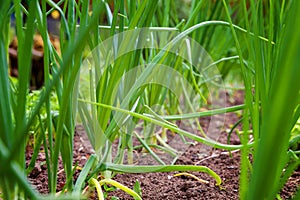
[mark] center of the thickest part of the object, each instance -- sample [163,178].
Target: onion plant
[272,95]
[15,122]
[149,67]
[115,75]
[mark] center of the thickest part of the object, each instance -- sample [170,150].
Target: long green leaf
[271,155]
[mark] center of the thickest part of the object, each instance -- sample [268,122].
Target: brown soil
[166,185]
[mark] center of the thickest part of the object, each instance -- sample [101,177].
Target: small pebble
[80,149]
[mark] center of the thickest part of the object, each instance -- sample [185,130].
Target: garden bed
[166,185]
[132,72]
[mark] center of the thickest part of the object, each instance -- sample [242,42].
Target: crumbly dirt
[166,185]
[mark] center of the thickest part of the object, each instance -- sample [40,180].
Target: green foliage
[137,188]
[271,95]
[253,43]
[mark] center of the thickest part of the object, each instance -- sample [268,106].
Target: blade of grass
[145,145]
[172,128]
[203,113]
[248,88]
[157,168]
[122,187]
[23,85]
[83,174]
[6,123]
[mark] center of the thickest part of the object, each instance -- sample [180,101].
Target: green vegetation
[151,64]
